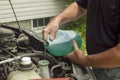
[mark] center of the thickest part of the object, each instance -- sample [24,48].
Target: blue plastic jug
[62,44]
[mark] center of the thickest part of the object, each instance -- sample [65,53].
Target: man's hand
[50,30]
[76,56]
[73,12]
[106,59]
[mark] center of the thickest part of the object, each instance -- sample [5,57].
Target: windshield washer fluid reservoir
[62,44]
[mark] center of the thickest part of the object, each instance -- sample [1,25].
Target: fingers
[54,30]
[75,45]
[50,30]
[76,50]
[45,33]
[52,36]
[50,33]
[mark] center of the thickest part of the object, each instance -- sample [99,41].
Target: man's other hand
[77,55]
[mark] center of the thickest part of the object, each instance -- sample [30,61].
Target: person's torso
[103,25]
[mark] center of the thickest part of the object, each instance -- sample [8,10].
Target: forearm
[106,59]
[71,13]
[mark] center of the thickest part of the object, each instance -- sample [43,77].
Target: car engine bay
[16,44]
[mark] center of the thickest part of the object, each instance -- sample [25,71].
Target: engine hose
[62,74]
[5,70]
[52,69]
[48,56]
[29,55]
[7,51]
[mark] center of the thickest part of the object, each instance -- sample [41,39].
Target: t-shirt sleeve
[82,3]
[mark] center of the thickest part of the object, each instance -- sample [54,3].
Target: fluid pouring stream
[45,49]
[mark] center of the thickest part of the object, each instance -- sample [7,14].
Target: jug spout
[46,44]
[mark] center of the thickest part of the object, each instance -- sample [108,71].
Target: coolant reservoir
[44,69]
[62,44]
[25,71]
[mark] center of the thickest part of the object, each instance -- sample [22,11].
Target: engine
[15,45]
[7,39]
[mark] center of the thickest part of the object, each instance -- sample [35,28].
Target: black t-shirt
[103,24]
